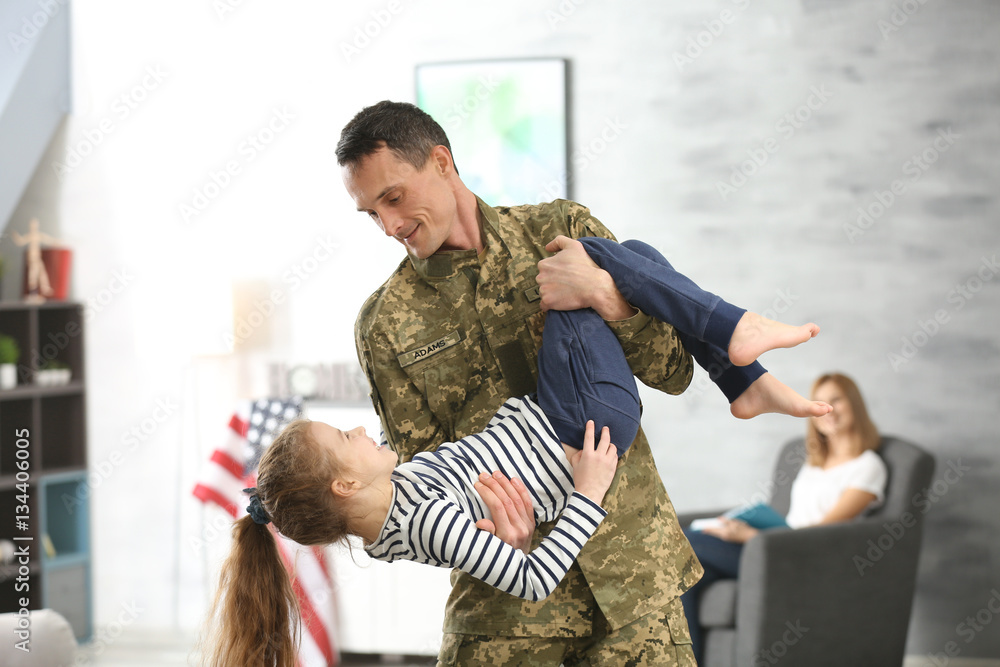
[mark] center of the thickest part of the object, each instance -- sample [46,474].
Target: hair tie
[255,509]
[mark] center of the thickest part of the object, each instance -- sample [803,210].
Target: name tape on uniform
[424,351]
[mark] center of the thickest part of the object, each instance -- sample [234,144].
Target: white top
[435,505]
[815,491]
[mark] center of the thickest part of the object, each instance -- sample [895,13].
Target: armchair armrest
[826,586]
[686,518]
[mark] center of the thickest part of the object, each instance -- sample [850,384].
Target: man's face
[416,207]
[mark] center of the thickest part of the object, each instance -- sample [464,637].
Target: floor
[163,649]
[146,648]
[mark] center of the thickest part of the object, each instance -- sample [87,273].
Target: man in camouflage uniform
[454,332]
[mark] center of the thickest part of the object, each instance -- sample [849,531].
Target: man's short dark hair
[406,130]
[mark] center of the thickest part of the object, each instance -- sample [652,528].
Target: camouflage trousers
[659,639]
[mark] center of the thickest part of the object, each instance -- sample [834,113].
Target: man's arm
[509,503]
[570,280]
[653,348]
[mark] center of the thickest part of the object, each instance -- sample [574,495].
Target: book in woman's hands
[760,516]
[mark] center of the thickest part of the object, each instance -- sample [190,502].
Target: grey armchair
[826,595]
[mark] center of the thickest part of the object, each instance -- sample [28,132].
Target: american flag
[231,468]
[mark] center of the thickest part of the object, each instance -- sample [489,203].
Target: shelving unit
[59,508]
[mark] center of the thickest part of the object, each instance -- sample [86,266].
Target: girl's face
[360,456]
[841,419]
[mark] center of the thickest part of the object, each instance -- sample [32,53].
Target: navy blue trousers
[582,371]
[721,560]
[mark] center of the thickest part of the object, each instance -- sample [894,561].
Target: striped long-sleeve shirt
[435,505]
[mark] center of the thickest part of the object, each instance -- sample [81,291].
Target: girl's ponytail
[255,618]
[255,614]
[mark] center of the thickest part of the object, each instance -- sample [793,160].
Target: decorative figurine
[38,278]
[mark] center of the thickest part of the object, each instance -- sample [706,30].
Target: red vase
[58,262]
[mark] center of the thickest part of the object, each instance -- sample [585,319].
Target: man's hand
[510,506]
[732,530]
[570,280]
[594,466]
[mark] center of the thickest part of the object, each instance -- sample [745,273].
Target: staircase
[34,89]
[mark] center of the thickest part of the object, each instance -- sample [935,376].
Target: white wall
[208,81]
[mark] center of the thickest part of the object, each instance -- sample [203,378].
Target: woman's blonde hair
[817,446]
[255,616]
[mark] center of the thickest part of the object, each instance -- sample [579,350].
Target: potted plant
[63,373]
[52,373]
[9,355]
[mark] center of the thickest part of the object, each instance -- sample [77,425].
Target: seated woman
[842,478]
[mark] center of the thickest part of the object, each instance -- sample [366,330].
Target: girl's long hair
[817,444]
[255,617]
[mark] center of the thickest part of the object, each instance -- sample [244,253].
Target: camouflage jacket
[447,339]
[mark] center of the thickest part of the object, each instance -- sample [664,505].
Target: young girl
[319,484]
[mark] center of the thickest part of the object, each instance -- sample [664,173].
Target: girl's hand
[594,466]
[732,530]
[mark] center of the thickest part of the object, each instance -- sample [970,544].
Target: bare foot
[755,334]
[769,394]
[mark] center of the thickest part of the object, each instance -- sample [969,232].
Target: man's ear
[441,160]
[344,488]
